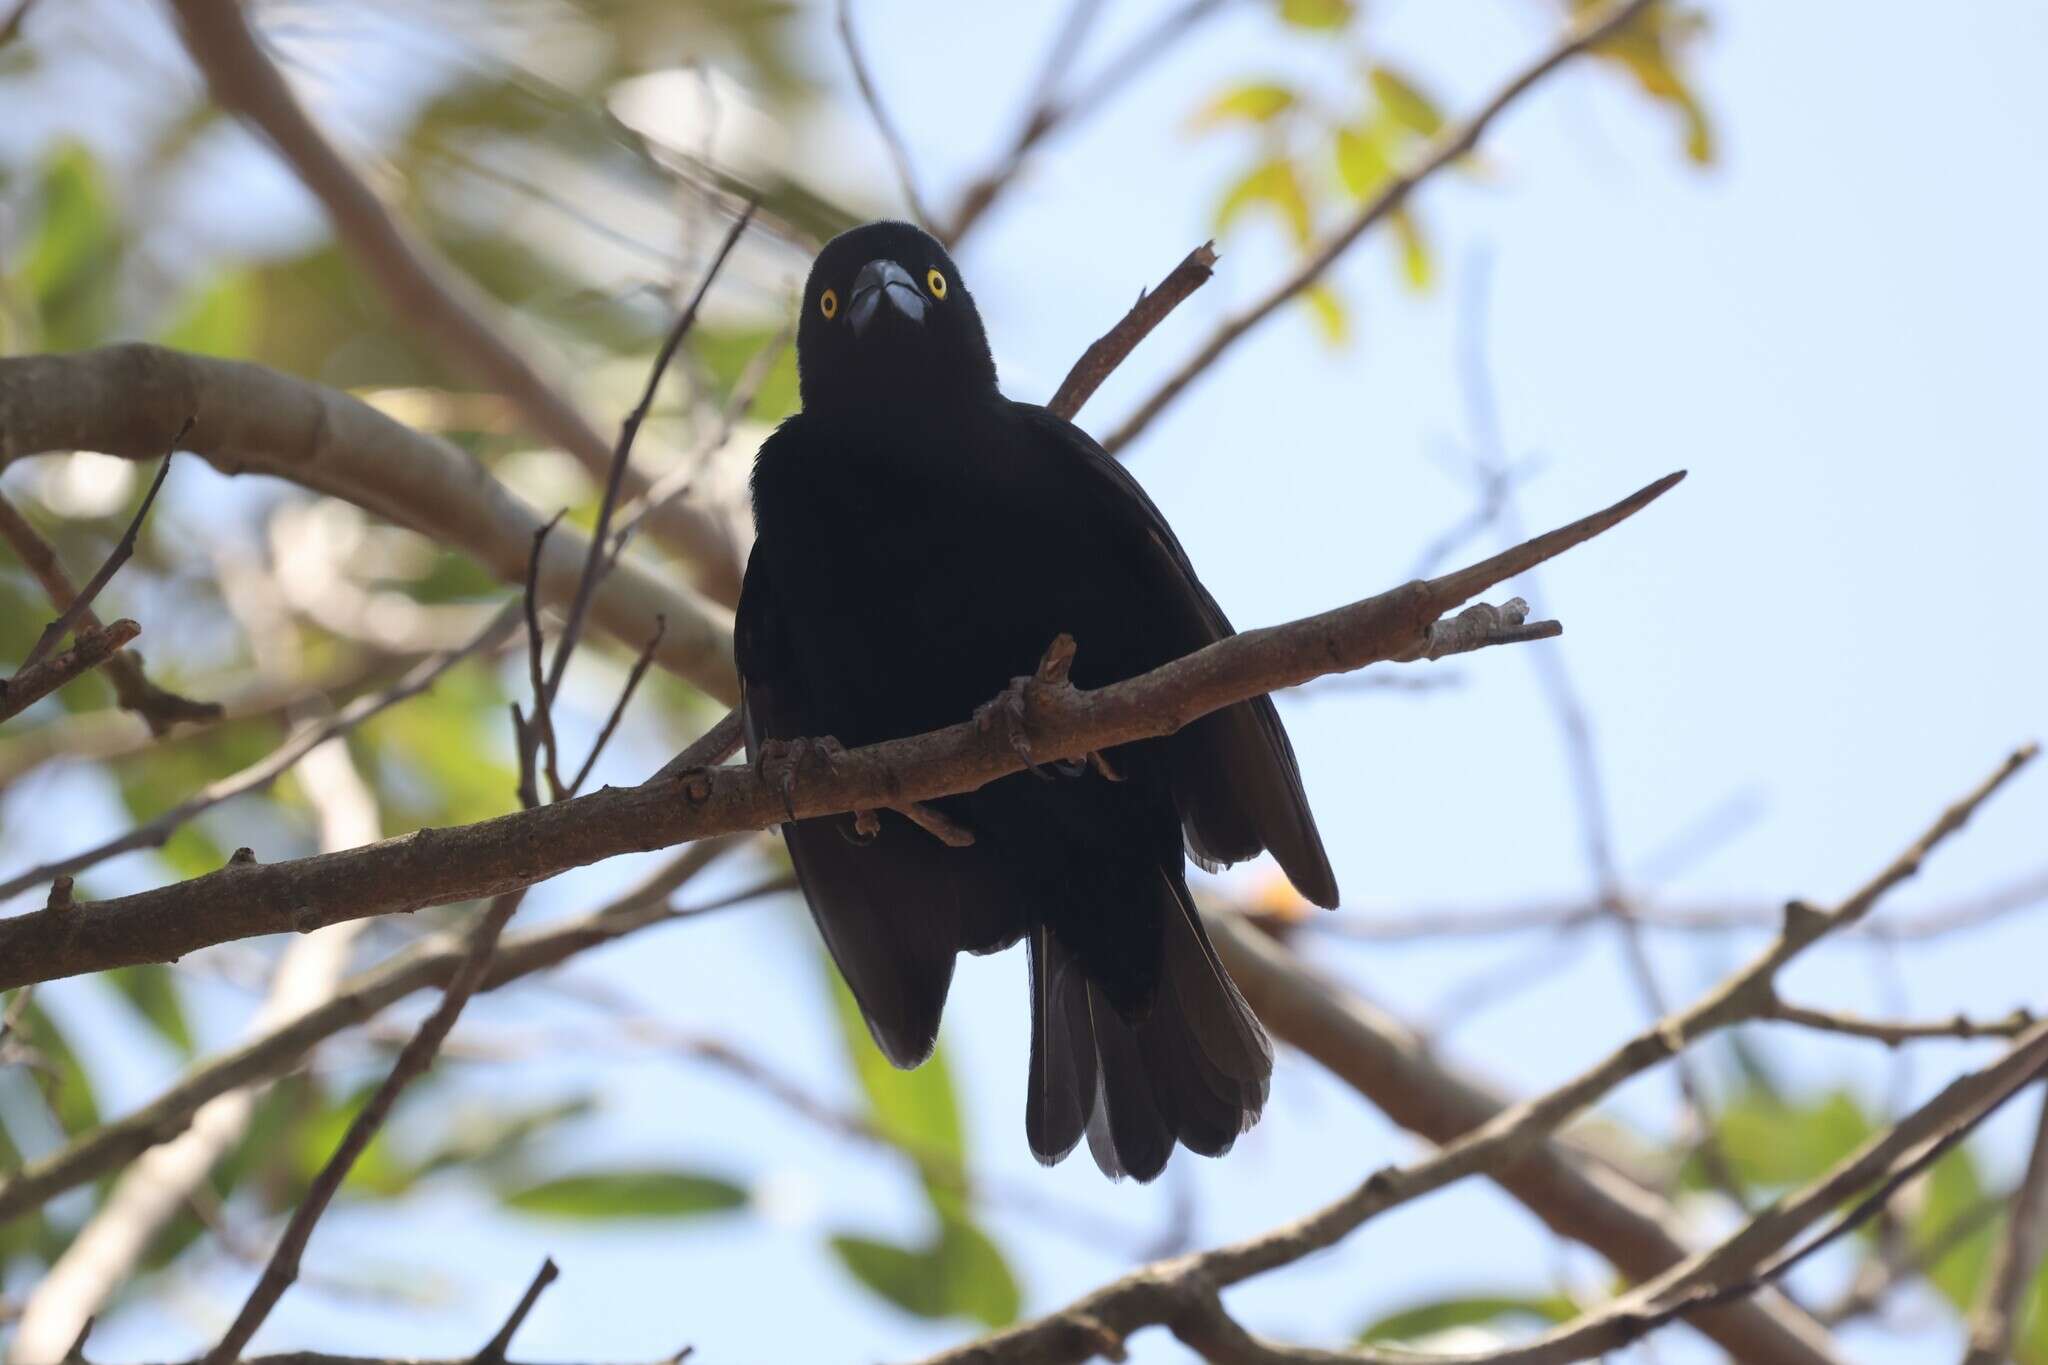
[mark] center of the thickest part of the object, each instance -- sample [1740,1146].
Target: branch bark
[1108,351]
[2014,1263]
[423,289]
[95,646]
[121,399]
[435,867]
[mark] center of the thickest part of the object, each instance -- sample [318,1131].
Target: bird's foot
[780,760]
[1011,708]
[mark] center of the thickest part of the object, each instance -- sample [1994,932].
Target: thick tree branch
[423,289]
[121,399]
[1447,147]
[435,867]
[96,645]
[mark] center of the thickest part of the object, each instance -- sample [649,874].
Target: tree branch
[435,867]
[273,765]
[2015,1261]
[121,399]
[1108,351]
[424,290]
[354,1001]
[1452,143]
[96,645]
[1167,1292]
[899,155]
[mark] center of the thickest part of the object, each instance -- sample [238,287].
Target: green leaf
[1416,266]
[962,1274]
[152,989]
[1647,49]
[917,1110]
[1362,158]
[1253,102]
[66,1089]
[1323,15]
[727,353]
[1485,1310]
[1955,1190]
[2030,1343]
[1274,182]
[377,1174]
[219,319]
[1332,319]
[1404,101]
[71,266]
[1776,1143]
[610,1195]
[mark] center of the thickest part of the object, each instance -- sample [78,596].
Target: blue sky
[1833,622]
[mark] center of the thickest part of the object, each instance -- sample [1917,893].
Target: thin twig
[1897,1031]
[95,646]
[899,155]
[579,605]
[619,708]
[76,609]
[1108,351]
[494,1350]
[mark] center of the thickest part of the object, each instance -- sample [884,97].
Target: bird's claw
[779,761]
[1010,709]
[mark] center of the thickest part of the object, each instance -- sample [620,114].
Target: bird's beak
[880,283]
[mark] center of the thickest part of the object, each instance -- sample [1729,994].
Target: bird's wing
[894,911]
[1234,773]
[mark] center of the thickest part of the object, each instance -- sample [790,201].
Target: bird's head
[888,326]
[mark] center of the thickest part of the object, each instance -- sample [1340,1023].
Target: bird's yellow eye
[935,282]
[828,304]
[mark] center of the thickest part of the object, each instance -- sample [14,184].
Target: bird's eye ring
[828,304]
[935,282]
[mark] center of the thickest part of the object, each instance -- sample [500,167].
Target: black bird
[921,539]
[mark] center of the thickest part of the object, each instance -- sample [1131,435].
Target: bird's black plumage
[920,541]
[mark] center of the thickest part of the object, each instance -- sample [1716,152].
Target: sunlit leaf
[1317,14]
[1482,1310]
[1253,102]
[1363,162]
[1404,101]
[608,1195]
[152,989]
[1334,322]
[1647,49]
[1416,266]
[1274,182]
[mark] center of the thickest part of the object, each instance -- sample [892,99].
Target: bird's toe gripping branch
[780,760]
[1010,709]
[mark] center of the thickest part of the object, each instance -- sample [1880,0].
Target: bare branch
[1893,1032]
[273,765]
[494,1350]
[1167,1292]
[899,155]
[1049,112]
[434,867]
[1108,351]
[81,604]
[2018,1255]
[159,709]
[1452,143]
[121,399]
[611,723]
[424,289]
[96,645]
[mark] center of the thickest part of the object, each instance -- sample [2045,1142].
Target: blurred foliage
[1413,1326]
[1324,146]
